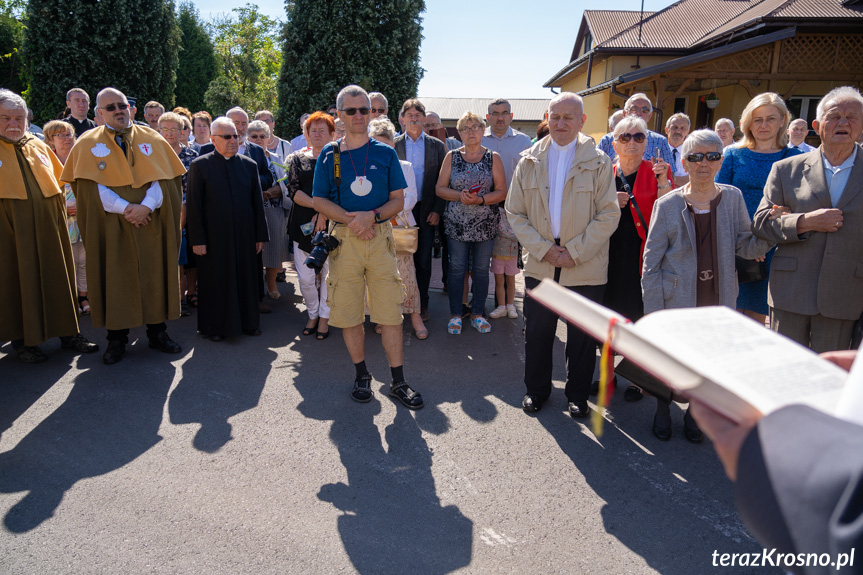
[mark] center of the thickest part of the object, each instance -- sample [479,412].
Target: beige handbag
[406,237]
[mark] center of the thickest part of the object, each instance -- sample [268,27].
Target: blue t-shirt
[382,169]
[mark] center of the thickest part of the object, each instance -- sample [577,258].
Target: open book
[713,354]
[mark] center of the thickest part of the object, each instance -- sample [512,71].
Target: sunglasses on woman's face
[711,157]
[625,138]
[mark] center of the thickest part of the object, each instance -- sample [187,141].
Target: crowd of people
[139,223]
[236,201]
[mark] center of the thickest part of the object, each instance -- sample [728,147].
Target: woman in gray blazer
[695,232]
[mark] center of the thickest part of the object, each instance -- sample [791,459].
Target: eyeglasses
[257,137]
[227,136]
[376,111]
[625,138]
[64,136]
[642,109]
[171,131]
[353,111]
[711,157]
[499,114]
[112,107]
[471,129]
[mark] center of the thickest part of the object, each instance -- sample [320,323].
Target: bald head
[113,107]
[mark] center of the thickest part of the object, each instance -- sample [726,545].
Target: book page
[851,403]
[713,354]
[768,370]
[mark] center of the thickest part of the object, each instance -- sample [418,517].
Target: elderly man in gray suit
[426,154]
[816,278]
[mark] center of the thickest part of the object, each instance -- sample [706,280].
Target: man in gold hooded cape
[127,183]
[37,280]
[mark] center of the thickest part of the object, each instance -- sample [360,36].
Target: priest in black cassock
[226,227]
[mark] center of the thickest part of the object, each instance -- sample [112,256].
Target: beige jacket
[589,212]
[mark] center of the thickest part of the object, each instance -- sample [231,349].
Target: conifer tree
[197,59]
[329,44]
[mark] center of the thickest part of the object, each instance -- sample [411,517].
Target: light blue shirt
[803,147]
[415,153]
[509,147]
[837,177]
[654,141]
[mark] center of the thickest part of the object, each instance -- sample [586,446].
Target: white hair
[614,119]
[678,116]
[630,122]
[259,126]
[222,121]
[842,93]
[567,97]
[11,100]
[373,95]
[382,127]
[237,110]
[638,96]
[724,121]
[704,138]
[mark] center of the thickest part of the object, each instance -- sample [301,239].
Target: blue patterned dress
[748,170]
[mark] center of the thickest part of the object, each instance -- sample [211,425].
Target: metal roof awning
[691,60]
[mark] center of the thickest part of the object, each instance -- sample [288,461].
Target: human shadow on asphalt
[392,518]
[111,416]
[223,379]
[23,384]
[674,523]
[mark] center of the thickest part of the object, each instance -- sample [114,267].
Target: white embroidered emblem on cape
[147,149]
[100,150]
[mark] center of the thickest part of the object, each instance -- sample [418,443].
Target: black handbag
[750,270]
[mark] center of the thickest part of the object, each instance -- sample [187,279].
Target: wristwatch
[377,216]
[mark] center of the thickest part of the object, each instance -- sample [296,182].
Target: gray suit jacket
[817,272]
[435,152]
[799,484]
[671,258]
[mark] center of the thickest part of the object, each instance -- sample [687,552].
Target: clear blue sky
[485,49]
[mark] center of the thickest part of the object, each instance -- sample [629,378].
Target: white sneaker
[498,312]
[511,312]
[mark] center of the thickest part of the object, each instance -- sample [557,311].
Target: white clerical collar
[558,148]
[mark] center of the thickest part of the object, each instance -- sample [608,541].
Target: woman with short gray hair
[276,208]
[689,260]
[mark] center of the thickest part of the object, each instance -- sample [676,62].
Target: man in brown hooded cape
[127,182]
[37,278]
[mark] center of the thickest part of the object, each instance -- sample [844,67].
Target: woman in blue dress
[746,166]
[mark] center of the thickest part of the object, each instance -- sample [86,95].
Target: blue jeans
[458,256]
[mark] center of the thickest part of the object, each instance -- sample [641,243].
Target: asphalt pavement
[249,456]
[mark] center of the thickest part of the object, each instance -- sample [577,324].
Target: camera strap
[337,174]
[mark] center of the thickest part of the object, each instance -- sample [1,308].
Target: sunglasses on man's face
[626,138]
[227,136]
[353,111]
[378,110]
[711,157]
[112,107]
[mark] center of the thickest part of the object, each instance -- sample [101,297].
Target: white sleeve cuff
[111,202]
[153,199]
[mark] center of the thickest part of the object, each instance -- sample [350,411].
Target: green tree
[246,43]
[11,41]
[128,44]
[197,66]
[329,44]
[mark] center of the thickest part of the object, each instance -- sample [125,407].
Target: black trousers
[153,329]
[540,327]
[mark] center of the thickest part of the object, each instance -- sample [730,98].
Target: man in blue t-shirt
[370,192]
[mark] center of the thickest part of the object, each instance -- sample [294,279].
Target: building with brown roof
[708,58]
